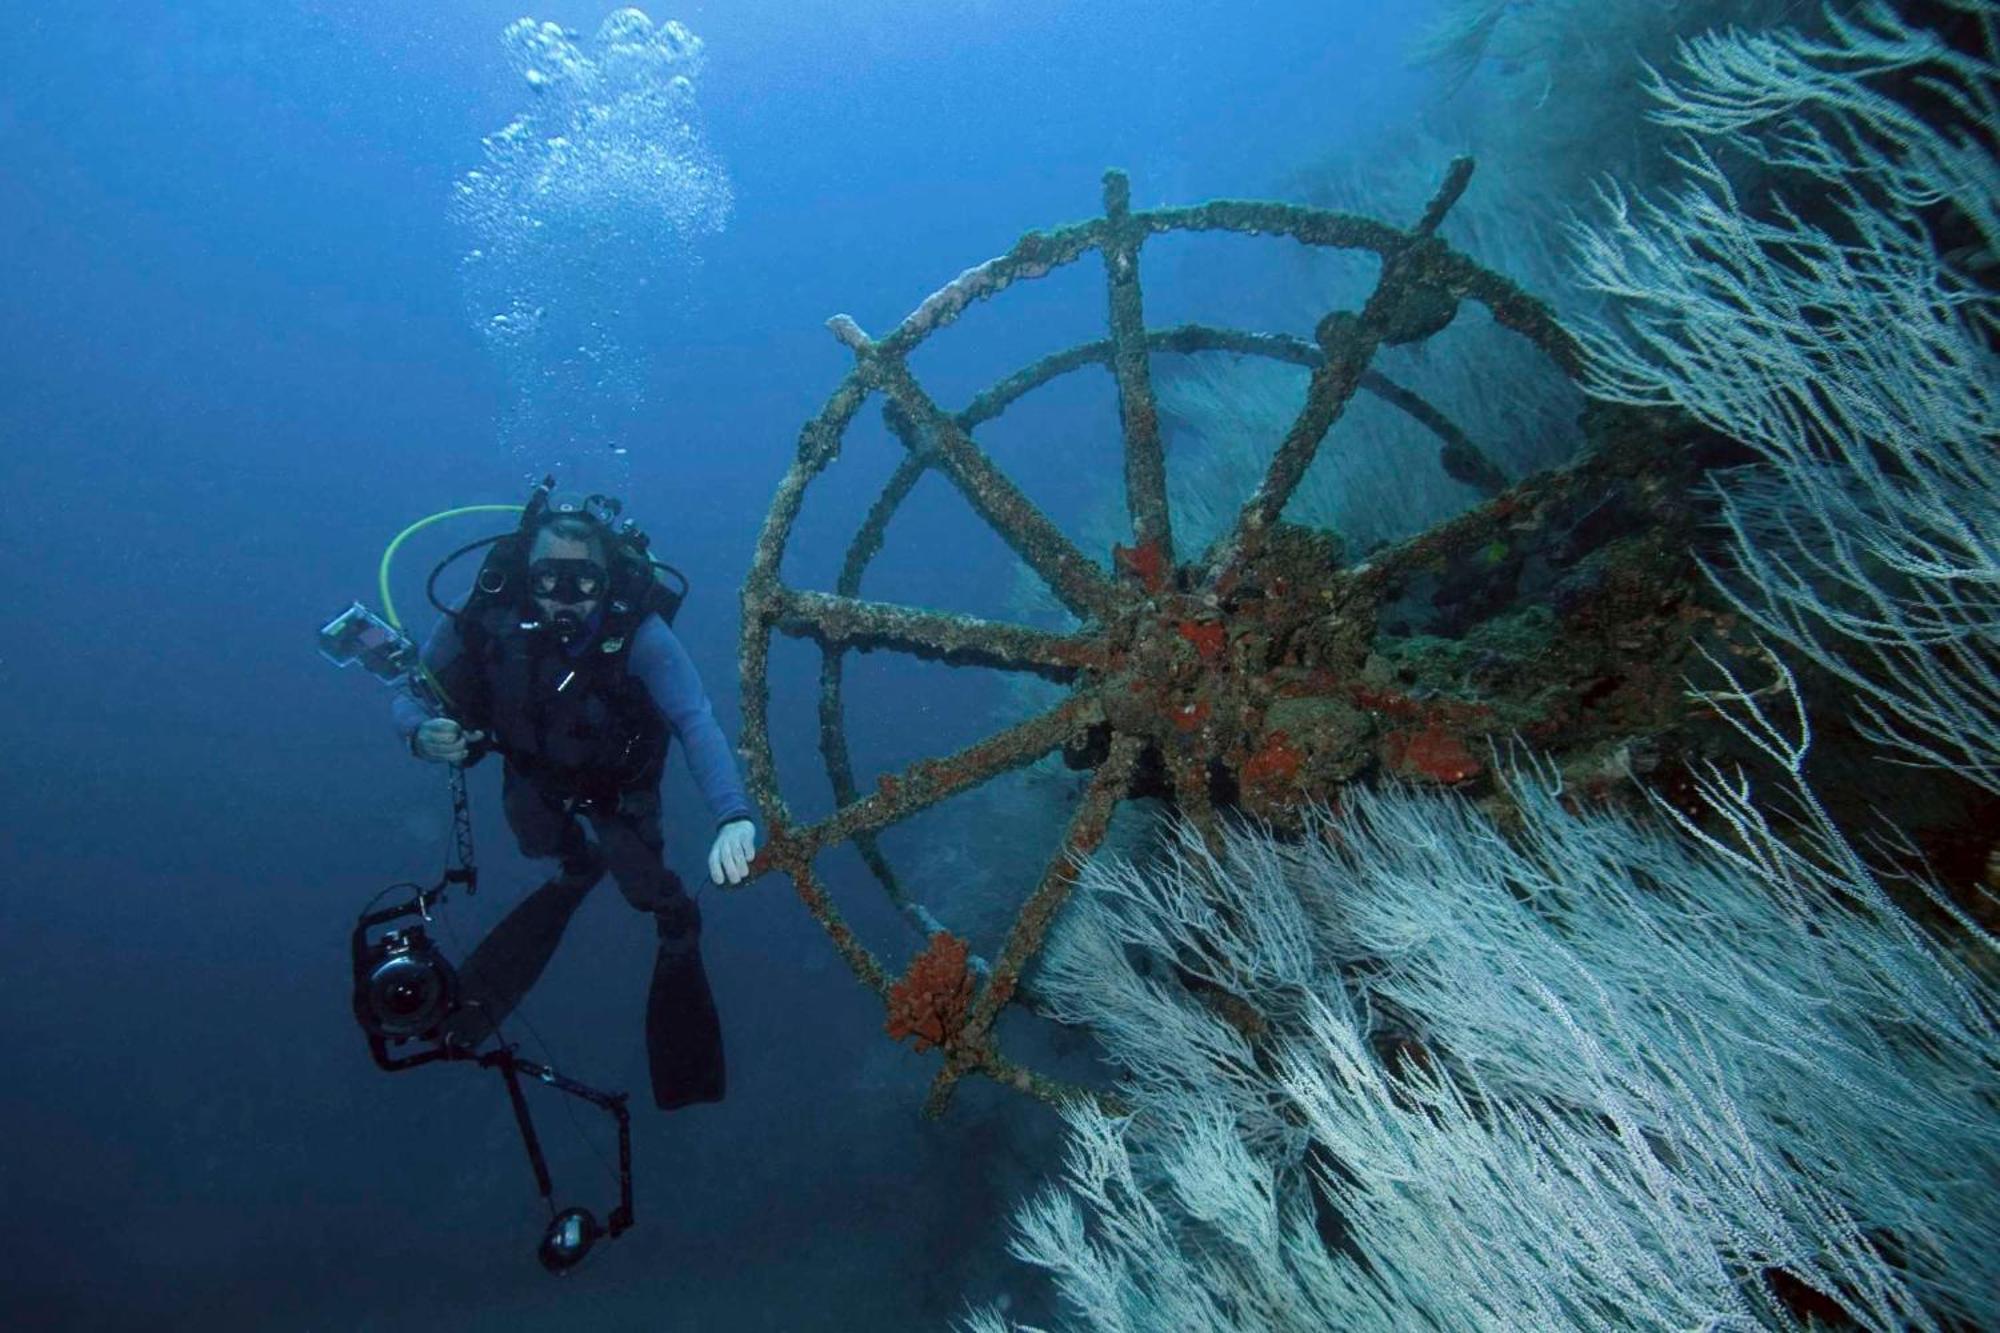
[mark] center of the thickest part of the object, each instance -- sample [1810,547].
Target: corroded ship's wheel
[1239,678]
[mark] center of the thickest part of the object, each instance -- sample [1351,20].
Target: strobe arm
[511,1067]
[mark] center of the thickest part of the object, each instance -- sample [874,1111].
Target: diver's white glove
[443,741]
[735,844]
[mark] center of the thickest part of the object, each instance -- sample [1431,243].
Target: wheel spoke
[1196,804]
[1076,580]
[814,895]
[1346,347]
[1456,177]
[1086,830]
[1348,343]
[839,623]
[1087,827]
[898,796]
[1145,467]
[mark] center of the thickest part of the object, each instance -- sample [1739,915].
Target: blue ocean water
[239,350]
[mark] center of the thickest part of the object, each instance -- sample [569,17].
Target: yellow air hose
[389,556]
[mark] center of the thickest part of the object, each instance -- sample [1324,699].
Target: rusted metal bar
[925,783]
[1145,467]
[866,966]
[839,623]
[1076,580]
[1346,344]
[840,772]
[959,1061]
[1386,569]
[867,542]
[819,445]
[1462,459]
[1053,1092]
[1456,177]
[997,399]
[833,744]
[1085,833]
[1196,804]
[868,538]
[1086,830]
[760,768]
[1035,255]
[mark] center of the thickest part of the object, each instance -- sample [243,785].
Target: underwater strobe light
[570,1235]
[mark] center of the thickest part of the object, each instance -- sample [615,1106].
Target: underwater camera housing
[404,989]
[406,992]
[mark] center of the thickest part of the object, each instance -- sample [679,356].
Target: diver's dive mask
[568,582]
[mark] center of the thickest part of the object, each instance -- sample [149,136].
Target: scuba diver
[562,660]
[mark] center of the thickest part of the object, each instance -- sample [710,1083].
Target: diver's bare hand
[443,741]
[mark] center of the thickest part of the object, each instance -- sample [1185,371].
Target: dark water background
[234,360]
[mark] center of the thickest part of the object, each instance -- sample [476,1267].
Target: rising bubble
[582,228]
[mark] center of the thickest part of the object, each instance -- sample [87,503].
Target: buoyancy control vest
[572,716]
[578,721]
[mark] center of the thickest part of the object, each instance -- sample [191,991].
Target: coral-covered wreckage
[1566,609]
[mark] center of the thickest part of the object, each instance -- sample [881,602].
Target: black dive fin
[512,956]
[683,1037]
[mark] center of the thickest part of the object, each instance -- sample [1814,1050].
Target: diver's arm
[661,662]
[441,654]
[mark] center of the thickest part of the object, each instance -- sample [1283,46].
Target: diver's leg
[514,953]
[683,1035]
[541,824]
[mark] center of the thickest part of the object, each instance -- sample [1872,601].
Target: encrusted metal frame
[1153,656]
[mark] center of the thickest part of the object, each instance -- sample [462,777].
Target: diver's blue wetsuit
[683,1036]
[662,664]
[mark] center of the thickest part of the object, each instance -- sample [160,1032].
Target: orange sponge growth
[1433,753]
[1145,562]
[929,1003]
